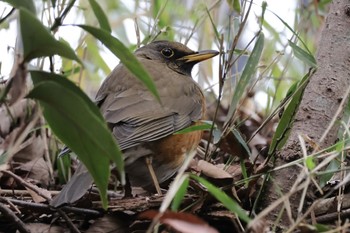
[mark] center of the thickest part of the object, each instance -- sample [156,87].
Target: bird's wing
[133,113]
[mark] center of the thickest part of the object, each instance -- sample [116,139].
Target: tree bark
[322,98]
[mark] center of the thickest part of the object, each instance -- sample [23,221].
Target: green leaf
[244,172]
[41,76]
[100,15]
[241,141]
[263,11]
[63,168]
[27,4]
[332,168]
[285,123]
[310,163]
[80,128]
[38,41]
[223,198]
[125,56]
[247,74]
[322,228]
[303,55]
[235,5]
[200,127]
[180,194]
[291,29]
[53,2]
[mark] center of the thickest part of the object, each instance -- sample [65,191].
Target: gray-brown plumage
[143,126]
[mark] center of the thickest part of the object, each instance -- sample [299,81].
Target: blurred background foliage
[200,24]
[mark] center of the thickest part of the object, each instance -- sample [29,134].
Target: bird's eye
[167,52]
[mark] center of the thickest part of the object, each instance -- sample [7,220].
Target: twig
[27,185]
[221,81]
[8,213]
[12,205]
[137,32]
[46,148]
[46,207]
[328,204]
[333,216]
[68,221]
[16,192]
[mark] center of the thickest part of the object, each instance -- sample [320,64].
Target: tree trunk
[321,101]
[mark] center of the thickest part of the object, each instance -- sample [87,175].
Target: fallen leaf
[210,170]
[182,222]
[108,223]
[45,228]
[37,170]
[34,150]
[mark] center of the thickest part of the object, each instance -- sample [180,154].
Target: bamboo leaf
[125,56]
[200,127]
[180,194]
[78,123]
[223,198]
[302,54]
[38,41]
[285,123]
[247,74]
[100,15]
[27,4]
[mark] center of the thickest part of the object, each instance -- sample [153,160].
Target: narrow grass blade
[100,15]
[223,198]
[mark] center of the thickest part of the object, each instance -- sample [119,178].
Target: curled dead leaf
[182,222]
[37,170]
[211,170]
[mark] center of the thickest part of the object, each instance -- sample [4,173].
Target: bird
[143,126]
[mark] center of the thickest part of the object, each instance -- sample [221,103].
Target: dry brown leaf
[108,223]
[11,113]
[234,170]
[182,222]
[33,150]
[211,170]
[37,170]
[45,228]
[36,197]
[258,226]
[7,143]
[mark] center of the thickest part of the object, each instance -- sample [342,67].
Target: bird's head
[177,56]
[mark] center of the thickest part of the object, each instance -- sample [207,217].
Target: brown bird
[143,127]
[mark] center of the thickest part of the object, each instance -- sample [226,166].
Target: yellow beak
[199,56]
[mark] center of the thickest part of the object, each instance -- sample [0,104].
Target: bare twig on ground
[7,212]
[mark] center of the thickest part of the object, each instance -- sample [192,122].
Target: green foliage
[28,4]
[286,121]
[37,40]
[303,55]
[223,198]
[100,15]
[125,56]
[180,194]
[247,74]
[198,127]
[79,124]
